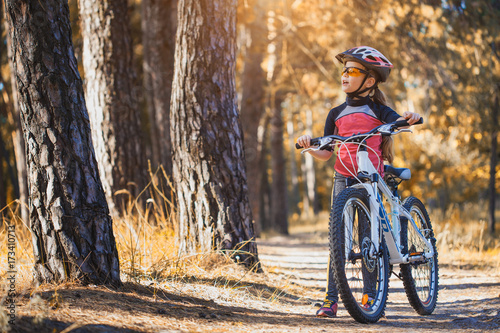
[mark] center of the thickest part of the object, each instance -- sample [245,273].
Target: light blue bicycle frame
[391,227]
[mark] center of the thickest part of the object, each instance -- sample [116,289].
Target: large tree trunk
[111,99]
[253,82]
[279,193]
[208,156]
[71,228]
[159,22]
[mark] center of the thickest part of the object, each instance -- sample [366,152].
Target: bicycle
[366,241]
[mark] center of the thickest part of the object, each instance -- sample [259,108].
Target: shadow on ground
[144,303]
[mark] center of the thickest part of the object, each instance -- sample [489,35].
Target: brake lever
[323,143]
[391,130]
[402,130]
[308,149]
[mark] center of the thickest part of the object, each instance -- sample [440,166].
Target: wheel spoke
[359,274]
[420,278]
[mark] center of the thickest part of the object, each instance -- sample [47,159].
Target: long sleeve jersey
[358,116]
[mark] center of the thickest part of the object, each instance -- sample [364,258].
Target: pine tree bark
[69,218]
[208,156]
[159,22]
[112,99]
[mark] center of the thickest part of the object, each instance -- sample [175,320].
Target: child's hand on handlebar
[411,117]
[304,141]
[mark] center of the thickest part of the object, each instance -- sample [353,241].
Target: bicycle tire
[421,279]
[353,203]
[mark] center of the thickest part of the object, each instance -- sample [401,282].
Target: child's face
[352,83]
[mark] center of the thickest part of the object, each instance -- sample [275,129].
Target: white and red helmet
[368,57]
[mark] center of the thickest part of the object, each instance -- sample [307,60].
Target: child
[364,109]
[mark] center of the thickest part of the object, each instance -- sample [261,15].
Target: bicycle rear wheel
[356,273]
[420,278]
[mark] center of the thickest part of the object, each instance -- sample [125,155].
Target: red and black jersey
[358,116]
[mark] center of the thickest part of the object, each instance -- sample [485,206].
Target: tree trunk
[279,193]
[493,166]
[159,21]
[3,186]
[265,190]
[294,176]
[111,99]
[18,139]
[20,156]
[4,153]
[17,134]
[253,103]
[71,228]
[208,156]
[310,173]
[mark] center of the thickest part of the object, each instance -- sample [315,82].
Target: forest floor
[282,299]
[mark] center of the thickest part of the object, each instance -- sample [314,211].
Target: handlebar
[385,129]
[404,123]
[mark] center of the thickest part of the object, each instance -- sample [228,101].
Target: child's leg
[332,293]
[331,288]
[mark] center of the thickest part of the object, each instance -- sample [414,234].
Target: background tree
[159,22]
[208,155]
[112,98]
[253,91]
[279,194]
[446,67]
[11,137]
[72,231]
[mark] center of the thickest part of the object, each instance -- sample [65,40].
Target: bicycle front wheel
[420,278]
[362,276]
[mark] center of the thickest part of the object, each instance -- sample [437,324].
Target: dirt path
[279,300]
[469,299]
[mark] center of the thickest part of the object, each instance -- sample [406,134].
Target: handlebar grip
[314,142]
[404,122]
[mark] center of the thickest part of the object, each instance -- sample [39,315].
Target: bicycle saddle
[401,173]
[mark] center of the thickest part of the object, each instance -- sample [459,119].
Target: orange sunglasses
[354,71]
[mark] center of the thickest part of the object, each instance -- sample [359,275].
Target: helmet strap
[375,87]
[357,92]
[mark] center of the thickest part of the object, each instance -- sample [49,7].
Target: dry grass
[463,239]
[158,280]
[152,270]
